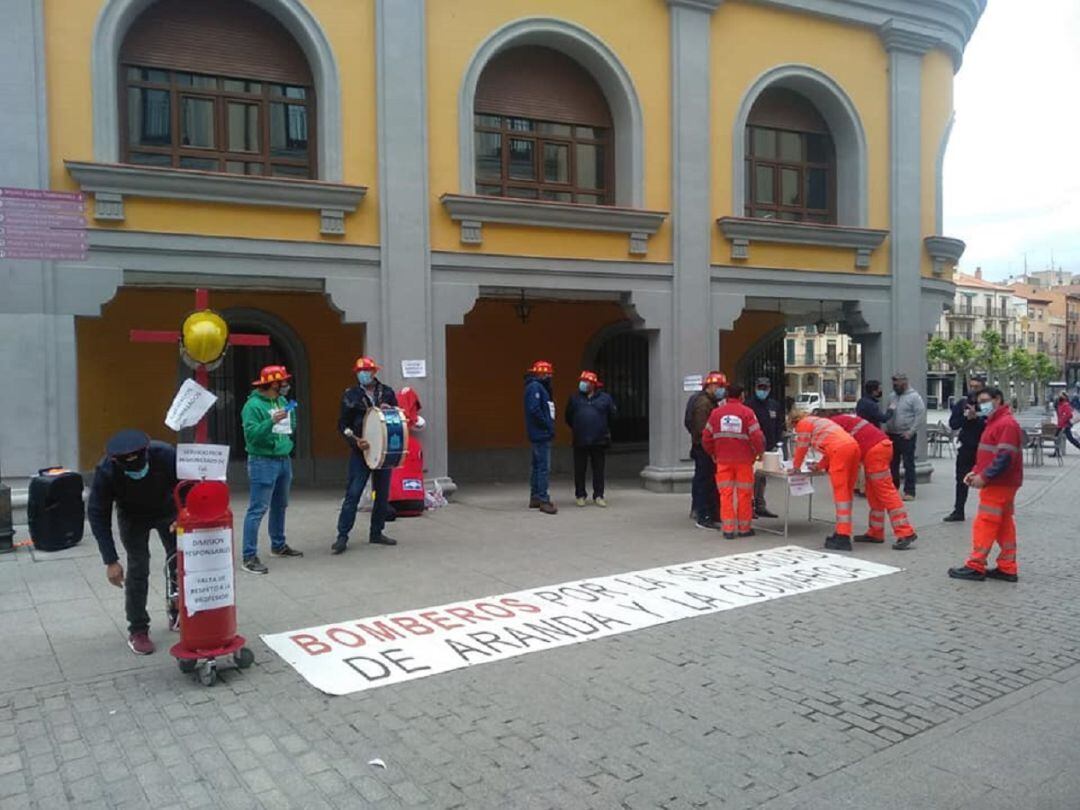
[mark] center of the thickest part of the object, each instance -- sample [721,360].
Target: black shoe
[253,566]
[963,572]
[391,517]
[997,573]
[339,545]
[285,551]
[904,543]
[707,524]
[534,503]
[838,542]
[750,533]
[383,540]
[865,538]
[953,517]
[729,535]
[763,512]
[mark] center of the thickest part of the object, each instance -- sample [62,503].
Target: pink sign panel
[42,224]
[40,219]
[7,192]
[55,253]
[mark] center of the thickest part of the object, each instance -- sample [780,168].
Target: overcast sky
[1012,171]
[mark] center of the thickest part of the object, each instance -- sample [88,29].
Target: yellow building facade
[650,188]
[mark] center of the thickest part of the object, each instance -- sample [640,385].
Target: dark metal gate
[765,360]
[623,365]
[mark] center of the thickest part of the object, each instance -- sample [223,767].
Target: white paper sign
[551,408]
[357,654]
[692,382]
[191,403]
[283,427]
[196,462]
[208,569]
[413,368]
[800,485]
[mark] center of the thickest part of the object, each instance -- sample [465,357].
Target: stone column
[693,346]
[906,46]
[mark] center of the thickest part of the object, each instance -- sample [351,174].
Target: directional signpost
[38,224]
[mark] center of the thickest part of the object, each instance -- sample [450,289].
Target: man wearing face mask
[869,407]
[704,499]
[269,421]
[965,417]
[903,416]
[998,474]
[540,428]
[771,418]
[355,402]
[139,476]
[589,412]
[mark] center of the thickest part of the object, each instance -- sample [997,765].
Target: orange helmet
[589,377]
[542,367]
[366,364]
[715,378]
[272,374]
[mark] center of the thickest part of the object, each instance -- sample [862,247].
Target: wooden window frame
[505,182]
[795,213]
[220,98]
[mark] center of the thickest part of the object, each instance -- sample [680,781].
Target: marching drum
[387,435]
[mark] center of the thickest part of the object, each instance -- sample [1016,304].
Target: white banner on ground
[359,654]
[208,569]
[189,405]
[197,462]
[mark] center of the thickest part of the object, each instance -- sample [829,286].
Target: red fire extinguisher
[205,554]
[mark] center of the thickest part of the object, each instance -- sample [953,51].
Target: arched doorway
[622,362]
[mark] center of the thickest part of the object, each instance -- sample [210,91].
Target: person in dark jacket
[704,498]
[965,418]
[771,418]
[869,407]
[540,428]
[139,476]
[589,412]
[355,402]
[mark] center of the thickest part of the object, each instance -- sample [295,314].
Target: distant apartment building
[978,306]
[825,361]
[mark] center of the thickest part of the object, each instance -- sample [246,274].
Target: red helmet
[589,377]
[272,374]
[715,378]
[542,367]
[366,364]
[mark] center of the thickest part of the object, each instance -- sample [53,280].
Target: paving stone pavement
[909,690]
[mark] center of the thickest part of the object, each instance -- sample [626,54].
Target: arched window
[790,160]
[216,85]
[543,129]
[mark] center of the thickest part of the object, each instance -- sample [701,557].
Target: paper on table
[192,401]
[800,485]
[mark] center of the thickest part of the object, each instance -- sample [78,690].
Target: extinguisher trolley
[204,530]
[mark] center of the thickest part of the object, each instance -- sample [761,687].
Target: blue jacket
[354,407]
[869,409]
[590,418]
[970,429]
[539,410]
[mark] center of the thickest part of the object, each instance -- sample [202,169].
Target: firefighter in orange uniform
[840,457]
[876,450]
[733,439]
[998,475]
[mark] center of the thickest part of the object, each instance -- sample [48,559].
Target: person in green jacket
[269,422]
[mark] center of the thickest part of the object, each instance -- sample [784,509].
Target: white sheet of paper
[208,569]
[692,382]
[189,405]
[196,462]
[413,368]
[283,427]
[551,409]
[800,485]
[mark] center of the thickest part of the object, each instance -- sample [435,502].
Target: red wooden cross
[202,374]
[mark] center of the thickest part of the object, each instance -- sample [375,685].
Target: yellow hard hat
[205,335]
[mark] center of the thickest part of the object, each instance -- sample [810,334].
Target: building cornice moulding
[906,38]
[741,231]
[944,250]
[111,182]
[472,211]
[708,6]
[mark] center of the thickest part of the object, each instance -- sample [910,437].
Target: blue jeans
[358,478]
[270,480]
[541,471]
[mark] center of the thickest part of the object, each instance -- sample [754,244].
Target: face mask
[876,395]
[138,475]
[365,377]
[986,408]
[762,394]
[284,389]
[898,389]
[719,393]
[583,387]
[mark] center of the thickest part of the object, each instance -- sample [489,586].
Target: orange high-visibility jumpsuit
[839,456]
[876,449]
[733,438]
[1001,439]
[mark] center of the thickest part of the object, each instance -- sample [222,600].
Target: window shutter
[542,84]
[230,38]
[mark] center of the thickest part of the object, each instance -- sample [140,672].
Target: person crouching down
[734,440]
[839,457]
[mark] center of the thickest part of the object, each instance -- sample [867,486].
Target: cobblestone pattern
[728,710]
